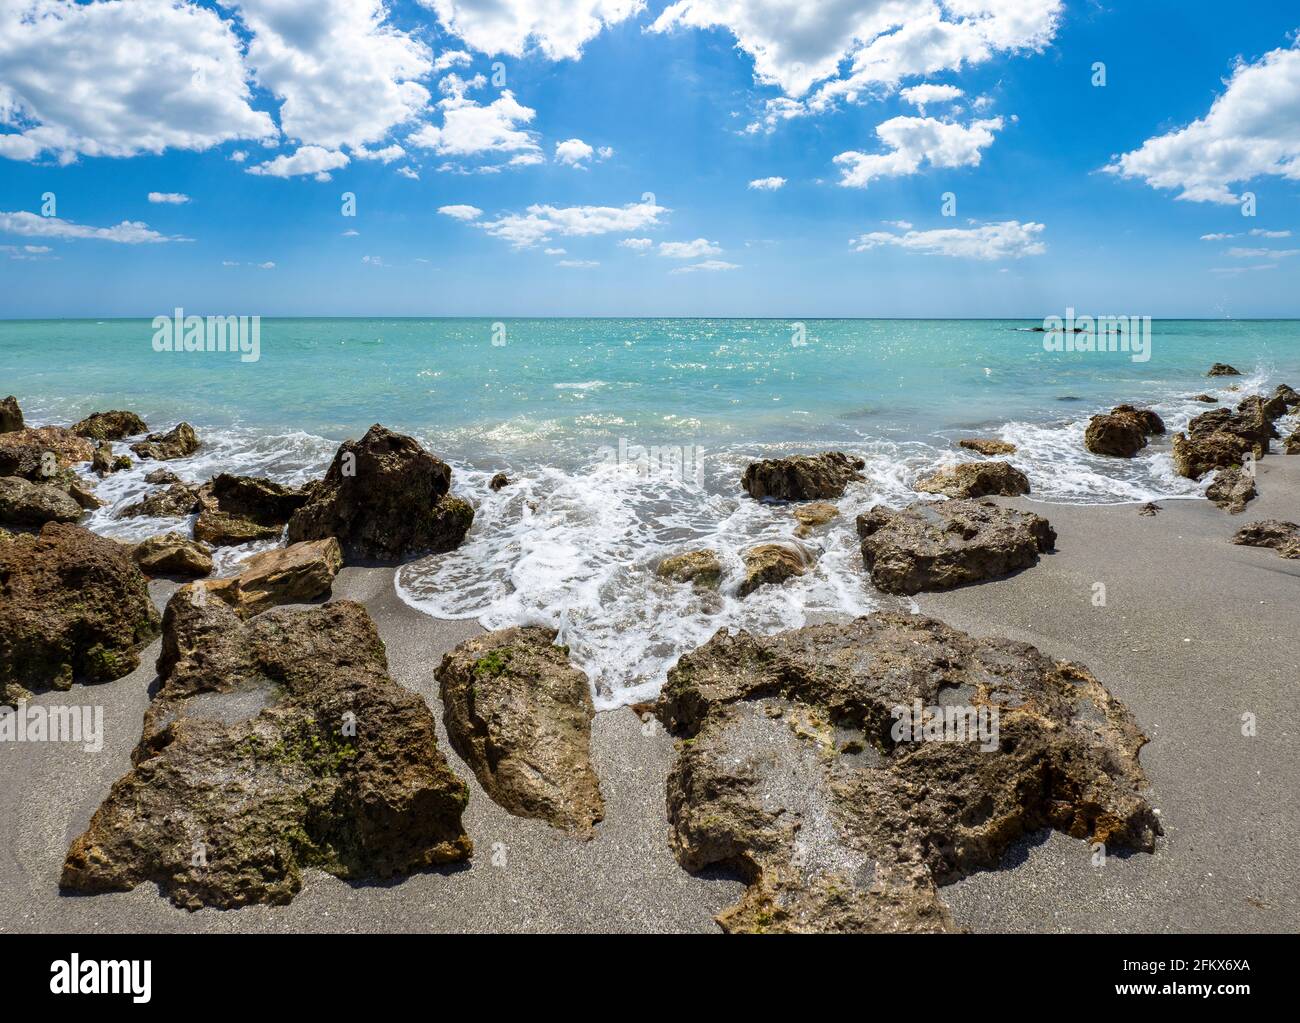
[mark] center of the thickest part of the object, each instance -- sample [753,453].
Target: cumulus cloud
[169,198]
[556,252]
[576,153]
[913,141]
[689,250]
[128,232]
[637,244]
[556,28]
[386,155]
[1251,131]
[1009,239]
[474,129]
[709,265]
[921,95]
[539,222]
[306,160]
[461,212]
[767,184]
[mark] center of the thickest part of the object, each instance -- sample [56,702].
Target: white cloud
[913,141]
[709,265]
[171,198]
[539,222]
[902,225]
[578,263]
[689,250]
[637,244]
[1009,239]
[556,252]
[1252,130]
[408,172]
[128,232]
[350,233]
[557,28]
[921,95]
[229,262]
[373,260]
[120,79]
[573,152]
[470,128]
[386,155]
[767,184]
[461,212]
[1259,232]
[27,252]
[1242,269]
[1240,253]
[306,160]
[239,156]
[1217,237]
[450,59]
[268,265]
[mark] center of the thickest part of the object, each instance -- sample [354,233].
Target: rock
[1291,445]
[519,714]
[1288,395]
[73,608]
[110,425]
[1122,432]
[975,479]
[272,745]
[987,447]
[104,462]
[1231,489]
[936,546]
[1149,421]
[36,453]
[23,503]
[772,563]
[172,554]
[810,516]
[178,442]
[1259,409]
[76,489]
[386,499]
[1207,399]
[1221,438]
[11,416]
[295,574]
[1150,509]
[801,477]
[1283,537]
[499,481]
[161,477]
[178,499]
[1222,369]
[795,770]
[699,567]
[241,509]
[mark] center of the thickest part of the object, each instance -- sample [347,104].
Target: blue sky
[633,133]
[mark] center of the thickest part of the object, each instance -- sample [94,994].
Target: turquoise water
[574,541]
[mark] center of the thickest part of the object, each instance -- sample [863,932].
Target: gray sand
[1195,632]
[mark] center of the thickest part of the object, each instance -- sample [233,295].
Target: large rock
[272,745]
[1283,537]
[73,608]
[987,446]
[770,564]
[11,416]
[796,772]
[1231,489]
[177,500]
[814,514]
[240,509]
[1122,432]
[179,442]
[1222,369]
[1288,395]
[23,503]
[936,546]
[700,567]
[173,555]
[39,452]
[295,574]
[112,425]
[976,479]
[801,477]
[105,462]
[520,715]
[386,499]
[1222,438]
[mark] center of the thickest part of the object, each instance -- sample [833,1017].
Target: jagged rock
[1288,395]
[110,425]
[810,516]
[38,452]
[178,499]
[1221,438]
[1207,399]
[936,546]
[1222,369]
[699,567]
[105,462]
[772,563]
[295,574]
[1283,537]
[241,509]
[1257,407]
[76,489]
[272,745]
[161,477]
[1232,489]
[178,442]
[986,446]
[11,416]
[172,554]
[519,714]
[23,503]
[801,477]
[498,482]
[1121,432]
[73,608]
[794,769]
[975,479]
[386,499]
[1291,445]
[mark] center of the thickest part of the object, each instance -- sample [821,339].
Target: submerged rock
[795,769]
[986,446]
[801,477]
[975,479]
[295,574]
[110,425]
[161,477]
[104,462]
[1222,369]
[386,499]
[498,482]
[11,416]
[272,745]
[1232,489]
[240,509]
[1283,537]
[699,567]
[771,563]
[1122,432]
[173,555]
[178,442]
[810,516]
[23,503]
[520,715]
[1206,399]
[38,452]
[936,546]
[73,608]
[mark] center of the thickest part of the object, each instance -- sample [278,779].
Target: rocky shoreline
[278,741]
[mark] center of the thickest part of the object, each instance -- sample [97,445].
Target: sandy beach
[1195,632]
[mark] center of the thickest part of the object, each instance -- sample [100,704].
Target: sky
[784,158]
